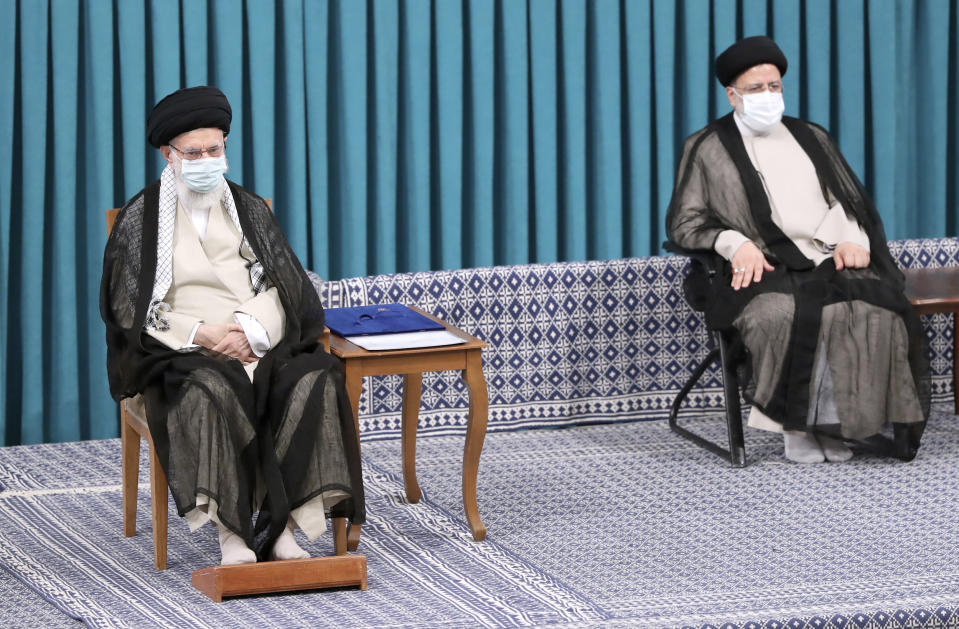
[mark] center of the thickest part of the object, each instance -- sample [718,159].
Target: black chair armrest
[710,260]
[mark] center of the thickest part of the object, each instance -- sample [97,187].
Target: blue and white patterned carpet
[610,525]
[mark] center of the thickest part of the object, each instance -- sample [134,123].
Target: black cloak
[716,189]
[290,433]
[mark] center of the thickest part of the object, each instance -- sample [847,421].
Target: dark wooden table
[412,363]
[934,291]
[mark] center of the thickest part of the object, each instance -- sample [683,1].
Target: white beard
[197,201]
[197,204]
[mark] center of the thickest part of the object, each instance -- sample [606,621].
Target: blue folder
[380,319]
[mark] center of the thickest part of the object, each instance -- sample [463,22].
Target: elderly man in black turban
[833,348]
[212,328]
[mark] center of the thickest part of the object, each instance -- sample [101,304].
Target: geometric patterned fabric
[577,342]
[22,607]
[681,540]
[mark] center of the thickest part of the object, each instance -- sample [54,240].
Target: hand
[850,256]
[748,265]
[236,345]
[209,334]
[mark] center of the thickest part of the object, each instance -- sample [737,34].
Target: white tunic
[816,225]
[211,284]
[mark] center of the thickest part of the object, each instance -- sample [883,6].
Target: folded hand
[850,256]
[209,334]
[236,345]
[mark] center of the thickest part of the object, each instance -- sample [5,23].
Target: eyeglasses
[213,151]
[776,87]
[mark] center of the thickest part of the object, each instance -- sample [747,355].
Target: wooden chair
[218,581]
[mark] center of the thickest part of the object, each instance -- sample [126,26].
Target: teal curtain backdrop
[420,134]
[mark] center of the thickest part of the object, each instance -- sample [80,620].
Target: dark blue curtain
[399,135]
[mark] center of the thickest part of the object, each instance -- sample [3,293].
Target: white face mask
[762,111]
[202,175]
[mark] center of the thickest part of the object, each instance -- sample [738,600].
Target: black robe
[717,188]
[290,433]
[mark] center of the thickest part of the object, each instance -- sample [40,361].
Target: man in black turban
[212,335]
[833,348]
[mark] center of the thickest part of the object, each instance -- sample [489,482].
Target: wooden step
[281,576]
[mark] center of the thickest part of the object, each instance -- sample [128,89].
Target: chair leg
[734,416]
[158,495]
[684,392]
[736,454]
[130,458]
[339,536]
[353,537]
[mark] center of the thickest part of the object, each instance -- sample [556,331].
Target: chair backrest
[111,219]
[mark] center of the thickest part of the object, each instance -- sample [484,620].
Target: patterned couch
[577,342]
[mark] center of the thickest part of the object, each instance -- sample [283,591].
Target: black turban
[188,109]
[747,53]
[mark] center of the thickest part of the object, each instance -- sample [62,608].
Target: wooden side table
[934,291]
[412,363]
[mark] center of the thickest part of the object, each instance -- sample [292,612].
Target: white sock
[802,447]
[233,549]
[286,546]
[834,449]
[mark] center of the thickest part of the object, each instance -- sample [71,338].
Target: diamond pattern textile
[575,342]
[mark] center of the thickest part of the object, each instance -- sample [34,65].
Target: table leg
[412,389]
[955,360]
[353,536]
[354,387]
[475,435]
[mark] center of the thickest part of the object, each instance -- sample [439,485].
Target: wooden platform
[281,576]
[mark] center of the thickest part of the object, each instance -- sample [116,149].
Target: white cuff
[728,243]
[836,228]
[189,341]
[255,333]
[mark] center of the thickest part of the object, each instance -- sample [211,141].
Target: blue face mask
[203,175]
